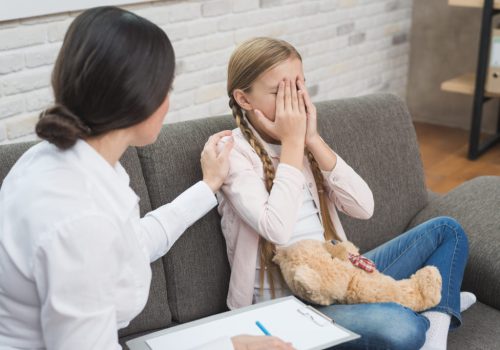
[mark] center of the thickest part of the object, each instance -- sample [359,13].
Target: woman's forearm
[161,227]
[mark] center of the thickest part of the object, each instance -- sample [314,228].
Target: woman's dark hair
[113,71]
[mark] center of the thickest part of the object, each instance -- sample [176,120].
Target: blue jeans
[440,242]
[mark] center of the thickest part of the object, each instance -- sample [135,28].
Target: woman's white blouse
[74,253]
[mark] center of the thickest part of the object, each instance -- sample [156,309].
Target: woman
[74,254]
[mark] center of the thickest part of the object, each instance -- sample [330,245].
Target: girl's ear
[241,98]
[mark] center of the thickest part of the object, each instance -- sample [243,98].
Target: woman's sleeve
[160,228]
[75,272]
[274,214]
[349,191]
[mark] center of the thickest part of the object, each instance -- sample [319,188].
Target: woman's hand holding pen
[251,342]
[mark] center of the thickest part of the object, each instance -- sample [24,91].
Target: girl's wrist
[292,143]
[313,141]
[292,153]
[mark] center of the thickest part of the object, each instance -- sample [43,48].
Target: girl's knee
[404,338]
[392,326]
[452,230]
[446,220]
[411,328]
[456,231]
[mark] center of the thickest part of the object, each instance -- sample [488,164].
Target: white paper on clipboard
[286,318]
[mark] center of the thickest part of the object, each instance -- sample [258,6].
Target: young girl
[286,184]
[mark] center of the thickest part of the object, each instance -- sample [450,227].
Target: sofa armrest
[432,195]
[476,205]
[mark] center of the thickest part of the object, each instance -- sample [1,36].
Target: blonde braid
[330,232]
[254,142]
[267,248]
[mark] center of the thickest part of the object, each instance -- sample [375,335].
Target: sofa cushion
[479,329]
[476,205]
[375,135]
[197,270]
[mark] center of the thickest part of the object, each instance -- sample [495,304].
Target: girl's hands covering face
[290,121]
[312,125]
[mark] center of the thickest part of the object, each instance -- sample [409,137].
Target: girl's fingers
[302,106]
[307,98]
[288,96]
[263,122]
[300,84]
[280,98]
[293,90]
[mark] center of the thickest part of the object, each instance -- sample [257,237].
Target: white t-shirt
[74,253]
[308,226]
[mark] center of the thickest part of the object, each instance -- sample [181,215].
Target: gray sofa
[374,134]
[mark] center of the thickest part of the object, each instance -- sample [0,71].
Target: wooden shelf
[472,3]
[464,84]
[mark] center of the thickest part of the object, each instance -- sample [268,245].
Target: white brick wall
[349,47]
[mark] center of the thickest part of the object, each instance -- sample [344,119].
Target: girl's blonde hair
[247,63]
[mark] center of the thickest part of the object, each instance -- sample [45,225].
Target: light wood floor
[444,154]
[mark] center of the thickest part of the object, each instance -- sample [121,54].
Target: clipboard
[287,318]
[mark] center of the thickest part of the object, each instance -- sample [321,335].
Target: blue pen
[262,328]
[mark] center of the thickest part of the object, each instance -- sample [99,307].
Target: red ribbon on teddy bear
[359,260]
[362,262]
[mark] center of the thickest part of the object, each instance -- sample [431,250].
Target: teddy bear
[328,272]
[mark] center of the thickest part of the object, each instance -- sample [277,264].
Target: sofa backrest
[373,133]
[196,267]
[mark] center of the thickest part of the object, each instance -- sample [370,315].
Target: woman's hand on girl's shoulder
[214,162]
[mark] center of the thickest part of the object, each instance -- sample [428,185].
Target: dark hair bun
[61,127]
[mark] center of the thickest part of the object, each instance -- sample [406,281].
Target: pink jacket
[249,211]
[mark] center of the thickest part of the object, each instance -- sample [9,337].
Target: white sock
[437,334]
[467,299]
